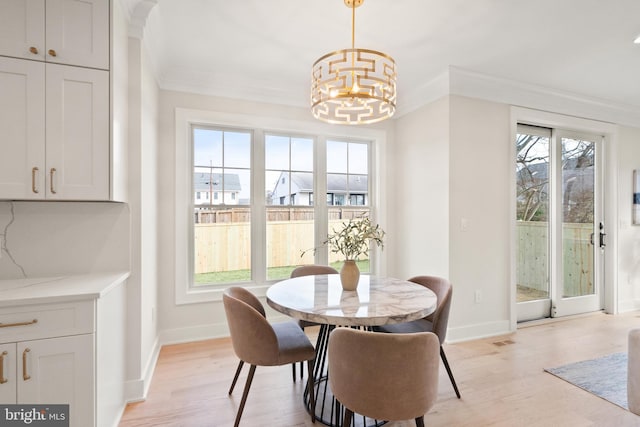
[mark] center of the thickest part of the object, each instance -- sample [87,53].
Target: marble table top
[376,301]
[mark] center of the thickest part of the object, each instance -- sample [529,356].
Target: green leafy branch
[354,239]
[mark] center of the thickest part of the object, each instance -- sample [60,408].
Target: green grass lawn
[274,273]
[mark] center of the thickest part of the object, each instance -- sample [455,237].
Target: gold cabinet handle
[34,187]
[2,378]
[51,173]
[52,52]
[25,375]
[8,325]
[33,50]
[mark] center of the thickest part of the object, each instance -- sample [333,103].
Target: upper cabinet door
[22,129]
[77,32]
[22,29]
[77,122]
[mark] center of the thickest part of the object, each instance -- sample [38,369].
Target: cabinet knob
[33,50]
[52,52]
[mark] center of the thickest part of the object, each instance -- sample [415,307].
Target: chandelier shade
[353,86]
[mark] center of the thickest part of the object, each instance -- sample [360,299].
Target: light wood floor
[501,380]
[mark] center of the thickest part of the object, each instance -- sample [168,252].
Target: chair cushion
[293,344]
[420,325]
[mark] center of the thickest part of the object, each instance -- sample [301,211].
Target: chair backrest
[253,338]
[308,270]
[390,376]
[443,290]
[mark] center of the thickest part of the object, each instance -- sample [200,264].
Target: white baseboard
[194,333]
[136,390]
[477,331]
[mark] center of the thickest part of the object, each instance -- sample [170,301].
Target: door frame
[610,208]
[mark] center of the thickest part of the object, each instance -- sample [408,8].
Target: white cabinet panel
[22,28]
[78,32]
[73,32]
[22,129]
[77,126]
[8,373]
[59,370]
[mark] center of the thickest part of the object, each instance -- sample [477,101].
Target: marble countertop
[377,300]
[58,289]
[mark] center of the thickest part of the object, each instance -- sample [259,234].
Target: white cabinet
[74,32]
[50,369]
[54,131]
[54,108]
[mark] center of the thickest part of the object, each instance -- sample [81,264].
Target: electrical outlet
[478,296]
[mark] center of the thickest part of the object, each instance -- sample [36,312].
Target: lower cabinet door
[8,373]
[59,371]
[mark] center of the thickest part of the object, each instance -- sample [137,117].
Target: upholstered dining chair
[309,270]
[257,342]
[391,377]
[436,322]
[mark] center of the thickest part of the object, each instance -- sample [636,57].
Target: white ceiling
[263,50]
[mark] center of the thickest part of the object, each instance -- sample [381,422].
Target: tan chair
[309,270]
[436,322]
[258,342]
[390,377]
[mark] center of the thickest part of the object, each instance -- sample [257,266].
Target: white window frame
[185,293]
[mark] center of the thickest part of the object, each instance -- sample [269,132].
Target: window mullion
[258,210]
[320,199]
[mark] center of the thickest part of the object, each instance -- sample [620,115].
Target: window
[289,177]
[347,180]
[222,242]
[255,207]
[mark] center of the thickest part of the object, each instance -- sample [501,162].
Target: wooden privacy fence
[532,263]
[226,246]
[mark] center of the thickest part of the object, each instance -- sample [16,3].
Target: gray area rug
[606,377]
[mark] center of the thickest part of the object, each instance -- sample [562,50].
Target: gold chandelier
[353,86]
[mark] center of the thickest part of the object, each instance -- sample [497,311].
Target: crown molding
[137,12]
[476,85]
[458,81]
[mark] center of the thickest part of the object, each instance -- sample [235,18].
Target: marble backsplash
[41,239]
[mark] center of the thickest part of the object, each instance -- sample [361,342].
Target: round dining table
[320,299]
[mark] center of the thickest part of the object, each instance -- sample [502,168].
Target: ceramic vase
[349,275]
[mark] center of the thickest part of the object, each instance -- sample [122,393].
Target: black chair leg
[446,365]
[247,386]
[235,377]
[301,370]
[293,370]
[310,386]
[420,421]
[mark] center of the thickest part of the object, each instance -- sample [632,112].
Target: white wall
[479,232]
[143,195]
[628,234]
[421,221]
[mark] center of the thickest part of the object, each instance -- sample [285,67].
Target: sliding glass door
[559,225]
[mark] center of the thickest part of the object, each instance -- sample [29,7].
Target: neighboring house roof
[303,182]
[203,181]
